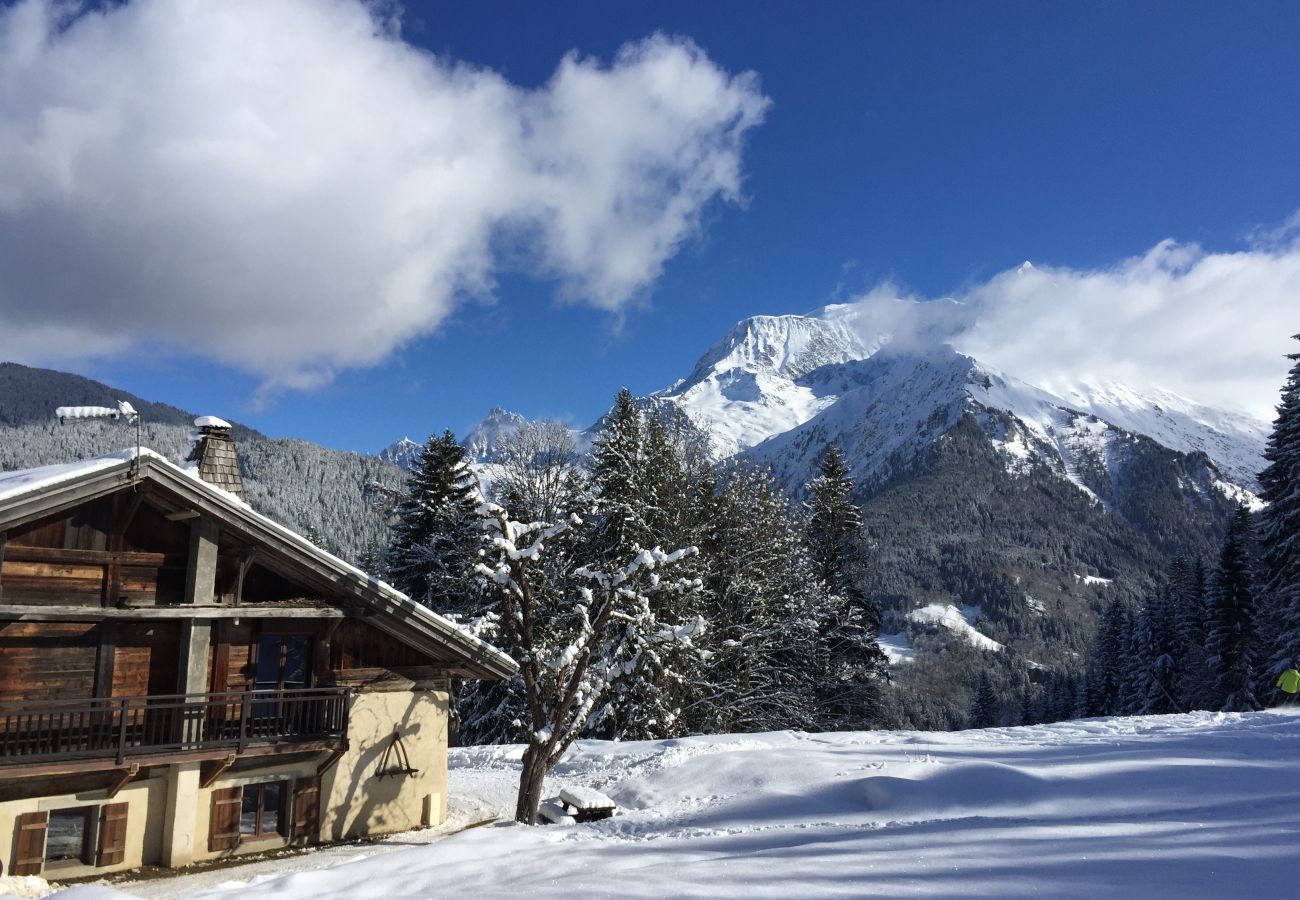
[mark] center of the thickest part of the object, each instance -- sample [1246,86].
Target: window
[260,811]
[282,661]
[67,836]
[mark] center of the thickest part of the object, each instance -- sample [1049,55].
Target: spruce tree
[984,706]
[617,464]
[834,520]
[1107,661]
[1159,651]
[1231,621]
[1279,527]
[850,620]
[436,539]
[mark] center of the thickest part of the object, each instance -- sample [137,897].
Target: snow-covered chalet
[182,679]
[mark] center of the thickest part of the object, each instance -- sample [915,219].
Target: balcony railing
[134,726]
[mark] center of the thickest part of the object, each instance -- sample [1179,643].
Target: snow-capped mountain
[482,440]
[783,387]
[764,377]
[897,404]
[401,453]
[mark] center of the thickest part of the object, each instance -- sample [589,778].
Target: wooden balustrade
[130,726]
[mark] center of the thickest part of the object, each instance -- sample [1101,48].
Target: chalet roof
[29,494]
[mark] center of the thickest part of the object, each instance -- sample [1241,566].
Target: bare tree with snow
[579,634]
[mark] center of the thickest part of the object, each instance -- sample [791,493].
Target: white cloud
[1214,327]
[288,187]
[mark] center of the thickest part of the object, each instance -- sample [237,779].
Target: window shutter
[112,833]
[31,843]
[306,808]
[223,831]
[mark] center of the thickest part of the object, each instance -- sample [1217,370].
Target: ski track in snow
[1197,805]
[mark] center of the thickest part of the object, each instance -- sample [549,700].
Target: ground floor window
[67,836]
[260,813]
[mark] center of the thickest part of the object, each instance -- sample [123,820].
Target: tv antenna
[124,411]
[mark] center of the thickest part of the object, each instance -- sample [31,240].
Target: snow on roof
[22,481]
[211,422]
[26,481]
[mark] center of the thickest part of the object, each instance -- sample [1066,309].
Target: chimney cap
[210,422]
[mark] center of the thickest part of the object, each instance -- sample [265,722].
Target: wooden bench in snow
[586,805]
[552,812]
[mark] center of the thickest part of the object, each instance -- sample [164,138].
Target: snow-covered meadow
[1198,805]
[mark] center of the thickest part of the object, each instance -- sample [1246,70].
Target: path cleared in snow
[1198,805]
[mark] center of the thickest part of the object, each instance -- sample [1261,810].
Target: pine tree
[1107,662]
[436,539]
[850,620]
[1158,652]
[1279,527]
[834,520]
[1231,626]
[765,659]
[1187,592]
[984,706]
[617,464]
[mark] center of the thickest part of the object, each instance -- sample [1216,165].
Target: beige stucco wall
[147,801]
[355,800]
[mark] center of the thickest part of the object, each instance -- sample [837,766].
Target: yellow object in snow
[1289,681]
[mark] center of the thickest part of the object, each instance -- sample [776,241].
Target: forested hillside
[341,500]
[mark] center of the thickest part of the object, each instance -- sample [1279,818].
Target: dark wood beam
[105,658]
[123,777]
[330,761]
[73,766]
[212,770]
[41,613]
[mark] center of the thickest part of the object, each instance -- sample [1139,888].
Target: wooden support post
[211,771]
[121,778]
[2,566]
[245,561]
[105,657]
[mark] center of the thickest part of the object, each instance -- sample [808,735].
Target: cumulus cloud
[1214,327]
[289,187]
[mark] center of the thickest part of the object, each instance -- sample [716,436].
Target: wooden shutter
[31,843]
[112,833]
[223,831]
[306,808]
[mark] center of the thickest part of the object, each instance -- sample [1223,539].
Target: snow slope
[1199,805]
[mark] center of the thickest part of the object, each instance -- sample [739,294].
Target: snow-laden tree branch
[578,632]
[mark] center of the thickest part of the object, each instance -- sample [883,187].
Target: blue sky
[931,145]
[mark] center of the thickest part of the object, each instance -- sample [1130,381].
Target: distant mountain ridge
[343,497]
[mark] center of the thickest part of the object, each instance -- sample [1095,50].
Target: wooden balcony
[120,729]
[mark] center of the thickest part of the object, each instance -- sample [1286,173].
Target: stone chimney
[215,455]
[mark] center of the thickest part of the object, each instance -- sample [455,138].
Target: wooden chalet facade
[181,679]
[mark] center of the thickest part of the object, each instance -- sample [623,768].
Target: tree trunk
[531,781]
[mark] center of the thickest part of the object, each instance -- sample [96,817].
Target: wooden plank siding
[357,645]
[145,658]
[47,660]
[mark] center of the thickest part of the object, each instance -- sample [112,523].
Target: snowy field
[1200,805]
